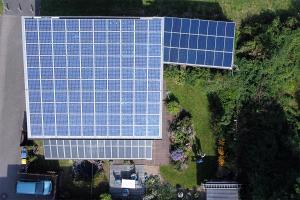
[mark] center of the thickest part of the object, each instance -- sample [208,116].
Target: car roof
[26,187]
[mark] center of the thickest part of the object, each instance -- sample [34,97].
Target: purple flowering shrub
[177,155]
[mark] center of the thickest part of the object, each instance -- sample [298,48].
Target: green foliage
[105,197]
[157,190]
[261,35]
[296,193]
[188,75]
[193,99]
[265,153]
[182,131]
[173,107]
[268,59]
[172,103]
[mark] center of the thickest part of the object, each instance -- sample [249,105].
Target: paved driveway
[12,102]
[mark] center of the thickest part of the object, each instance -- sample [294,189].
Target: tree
[267,160]
[83,169]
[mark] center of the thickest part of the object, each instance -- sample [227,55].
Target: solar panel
[93,78]
[197,42]
[98,149]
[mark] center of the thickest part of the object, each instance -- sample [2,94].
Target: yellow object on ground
[23,161]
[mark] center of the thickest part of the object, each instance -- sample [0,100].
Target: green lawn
[235,10]
[186,178]
[193,175]
[194,100]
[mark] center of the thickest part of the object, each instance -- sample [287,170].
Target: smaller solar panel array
[199,42]
[98,149]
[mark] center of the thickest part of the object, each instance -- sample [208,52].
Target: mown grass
[235,10]
[186,178]
[193,175]
[193,99]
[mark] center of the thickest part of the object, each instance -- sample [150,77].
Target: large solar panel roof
[98,149]
[93,78]
[197,42]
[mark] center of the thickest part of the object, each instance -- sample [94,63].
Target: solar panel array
[93,78]
[199,42]
[98,149]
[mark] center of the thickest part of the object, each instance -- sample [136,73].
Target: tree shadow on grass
[206,170]
[260,30]
[178,8]
[265,154]
[80,189]
[215,107]
[196,147]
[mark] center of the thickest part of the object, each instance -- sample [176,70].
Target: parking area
[12,103]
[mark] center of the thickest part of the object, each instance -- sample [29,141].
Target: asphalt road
[12,103]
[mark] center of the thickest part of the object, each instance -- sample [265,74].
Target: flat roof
[200,43]
[100,79]
[98,149]
[93,78]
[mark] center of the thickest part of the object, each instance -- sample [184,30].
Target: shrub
[179,158]
[172,104]
[173,107]
[155,189]
[85,170]
[105,197]
[182,132]
[177,155]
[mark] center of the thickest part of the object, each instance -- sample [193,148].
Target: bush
[177,155]
[172,103]
[84,170]
[179,158]
[182,132]
[173,107]
[157,190]
[105,197]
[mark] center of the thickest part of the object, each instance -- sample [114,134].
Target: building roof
[98,149]
[93,78]
[222,190]
[101,78]
[197,42]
